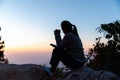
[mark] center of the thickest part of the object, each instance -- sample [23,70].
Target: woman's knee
[58,51]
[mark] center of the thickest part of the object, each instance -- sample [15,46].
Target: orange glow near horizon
[34,48]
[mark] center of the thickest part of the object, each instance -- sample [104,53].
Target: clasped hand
[57,32]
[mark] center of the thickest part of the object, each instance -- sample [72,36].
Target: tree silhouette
[107,55]
[2,45]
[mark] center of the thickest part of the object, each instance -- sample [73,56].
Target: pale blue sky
[28,23]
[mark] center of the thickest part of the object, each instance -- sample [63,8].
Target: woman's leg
[54,61]
[60,54]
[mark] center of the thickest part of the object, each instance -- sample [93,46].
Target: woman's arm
[58,37]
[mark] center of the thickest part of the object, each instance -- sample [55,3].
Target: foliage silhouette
[106,55]
[2,45]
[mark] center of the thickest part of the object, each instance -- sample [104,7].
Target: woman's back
[74,47]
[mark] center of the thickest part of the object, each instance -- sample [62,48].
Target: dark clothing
[73,45]
[69,51]
[60,54]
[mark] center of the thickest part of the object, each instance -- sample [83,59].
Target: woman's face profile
[65,30]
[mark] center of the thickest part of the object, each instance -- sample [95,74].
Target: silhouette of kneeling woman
[68,50]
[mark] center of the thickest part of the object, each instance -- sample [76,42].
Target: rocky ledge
[35,72]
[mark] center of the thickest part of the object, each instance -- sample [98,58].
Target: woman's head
[68,27]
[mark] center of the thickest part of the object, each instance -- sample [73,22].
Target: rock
[21,72]
[35,72]
[89,74]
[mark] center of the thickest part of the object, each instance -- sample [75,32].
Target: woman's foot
[47,70]
[53,69]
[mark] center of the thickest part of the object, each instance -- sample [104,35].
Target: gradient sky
[28,25]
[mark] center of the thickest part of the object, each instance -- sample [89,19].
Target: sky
[28,25]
